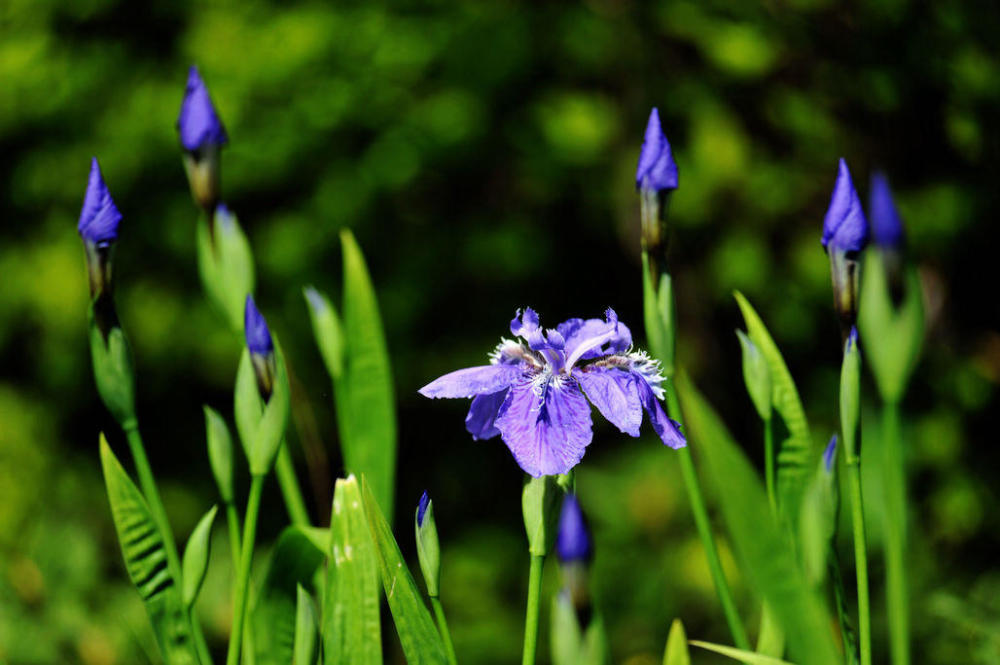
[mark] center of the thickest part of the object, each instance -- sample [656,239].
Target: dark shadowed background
[483,154]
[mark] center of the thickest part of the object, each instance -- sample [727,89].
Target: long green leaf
[414,625]
[199,547]
[305,629]
[365,402]
[676,652]
[146,562]
[796,454]
[763,547]
[297,554]
[351,629]
[748,657]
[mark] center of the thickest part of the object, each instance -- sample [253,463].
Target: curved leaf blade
[763,547]
[414,625]
[748,657]
[796,454]
[676,652]
[305,629]
[297,554]
[196,554]
[146,562]
[366,410]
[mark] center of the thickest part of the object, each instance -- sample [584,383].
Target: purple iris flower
[887,227]
[830,454]
[198,123]
[258,337]
[573,539]
[657,170]
[533,391]
[845,227]
[99,217]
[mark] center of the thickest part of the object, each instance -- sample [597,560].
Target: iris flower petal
[549,434]
[471,381]
[615,394]
[667,429]
[483,414]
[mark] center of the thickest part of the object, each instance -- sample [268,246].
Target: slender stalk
[443,629]
[531,615]
[246,560]
[152,494]
[707,539]
[769,465]
[894,482]
[233,521]
[289,484]
[860,557]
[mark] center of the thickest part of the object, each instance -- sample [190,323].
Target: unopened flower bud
[428,547]
[258,339]
[845,234]
[98,226]
[655,179]
[202,137]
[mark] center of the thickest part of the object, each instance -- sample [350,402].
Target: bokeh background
[483,153]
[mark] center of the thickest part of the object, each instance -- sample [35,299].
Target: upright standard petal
[473,381]
[657,169]
[99,216]
[614,392]
[547,434]
[480,422]
[258,337]
[578,331]
[667,429]
[887,227]
[845,227]
[198,122]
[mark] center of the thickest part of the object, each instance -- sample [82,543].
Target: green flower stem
[894,482]
[769,464]
[152,494]
[233,521]
[705,532]
[289,484]
[860,556]
[531,615]
[443,629]
[246,560]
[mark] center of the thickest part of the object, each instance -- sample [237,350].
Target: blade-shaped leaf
[795,454]
[763,547]
[306,642]
[196,555]
[297,554]
[414,625]
[351,628]
[676,652]
[146,562]
[748,657]
[366,410]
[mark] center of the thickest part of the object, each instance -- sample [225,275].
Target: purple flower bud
[830,454]
[573,539]
[99,217]
[657,170]
[258,337]
[887,227]
[845,227]
[422,508]
[198,123]
[852,339]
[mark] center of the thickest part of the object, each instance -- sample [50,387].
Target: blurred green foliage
[483,154]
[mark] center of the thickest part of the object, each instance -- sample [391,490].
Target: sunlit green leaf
[795,453]
[351,630]
[748,657]
[676,652]
[763,547]
[306,642]
[366,412]
[146,562]
[196,554]
[414,625]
